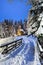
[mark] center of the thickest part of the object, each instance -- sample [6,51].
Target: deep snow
[26,54]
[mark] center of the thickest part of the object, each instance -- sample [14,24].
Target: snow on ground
[26,54]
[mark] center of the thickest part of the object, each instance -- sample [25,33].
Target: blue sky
[14,10]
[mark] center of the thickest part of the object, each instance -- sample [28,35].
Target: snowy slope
[26,54]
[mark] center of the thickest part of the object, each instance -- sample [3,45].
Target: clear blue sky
[15,10]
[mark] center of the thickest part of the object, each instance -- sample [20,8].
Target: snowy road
[26,54]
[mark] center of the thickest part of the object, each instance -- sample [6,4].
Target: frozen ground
[26,54]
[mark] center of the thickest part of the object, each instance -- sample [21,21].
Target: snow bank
[26,54]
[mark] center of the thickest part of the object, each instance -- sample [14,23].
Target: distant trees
[10,27]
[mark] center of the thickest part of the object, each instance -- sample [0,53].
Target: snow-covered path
[26,54]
